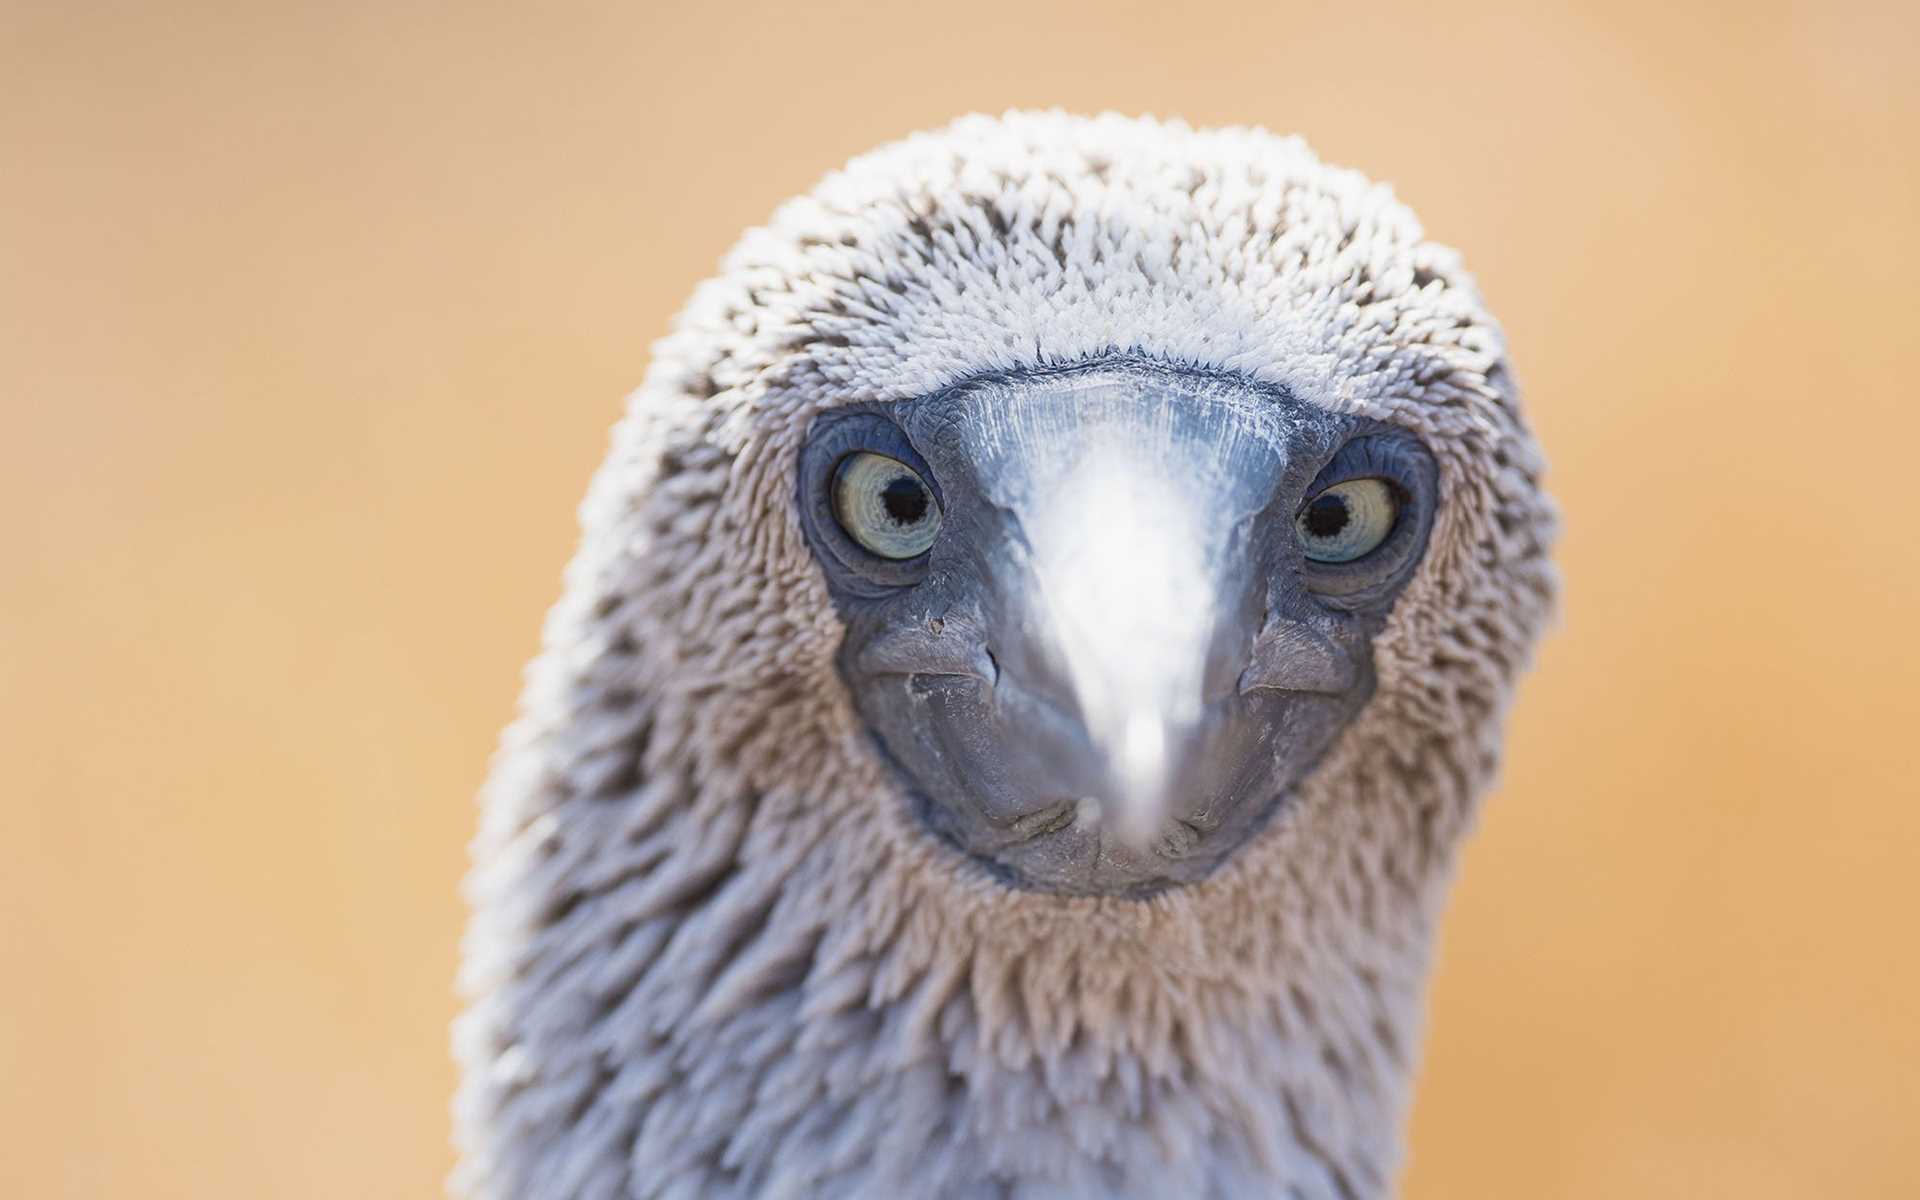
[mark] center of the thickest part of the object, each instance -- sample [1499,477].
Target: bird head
[1038,637]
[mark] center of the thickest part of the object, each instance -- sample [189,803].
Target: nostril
[1179,839]
[993,667]
[1293,657]
[932,648]
[1050,818]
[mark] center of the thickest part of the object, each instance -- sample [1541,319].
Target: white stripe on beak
[1122,560]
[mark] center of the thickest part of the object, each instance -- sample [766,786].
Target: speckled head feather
[713,954]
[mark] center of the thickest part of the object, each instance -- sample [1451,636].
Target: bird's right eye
[885,505]
[1347,521]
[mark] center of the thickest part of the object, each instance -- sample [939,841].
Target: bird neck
[742,984]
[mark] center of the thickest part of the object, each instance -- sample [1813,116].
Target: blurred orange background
[313,319]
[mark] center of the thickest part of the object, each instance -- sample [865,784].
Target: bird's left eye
[1347,521]
[884,505]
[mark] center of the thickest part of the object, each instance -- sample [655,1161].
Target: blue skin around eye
[944,653]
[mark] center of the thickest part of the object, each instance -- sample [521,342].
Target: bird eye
[884,505]
[1347,521]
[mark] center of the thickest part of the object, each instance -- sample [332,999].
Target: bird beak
[1098,683]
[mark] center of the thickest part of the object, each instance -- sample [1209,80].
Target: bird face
[1102,620]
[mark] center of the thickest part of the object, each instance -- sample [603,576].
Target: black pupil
[1326,516]
[905,500]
